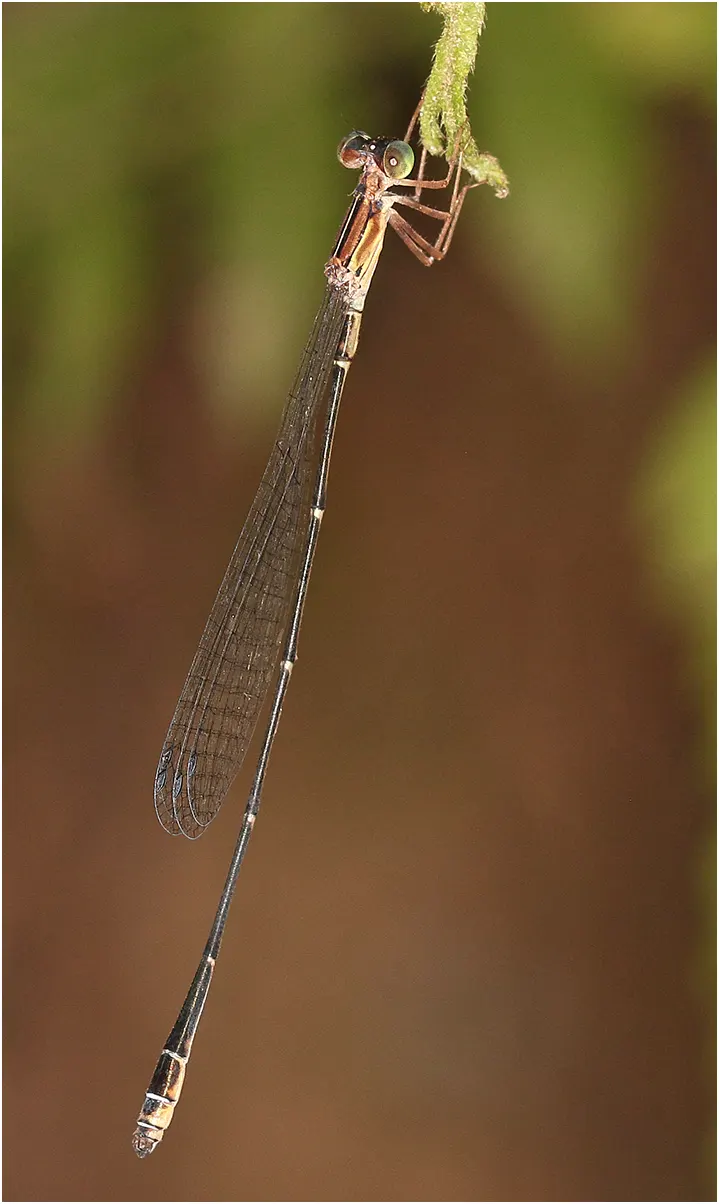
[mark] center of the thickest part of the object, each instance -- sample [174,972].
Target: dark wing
[228,680]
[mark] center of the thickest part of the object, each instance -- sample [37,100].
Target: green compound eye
[398,160]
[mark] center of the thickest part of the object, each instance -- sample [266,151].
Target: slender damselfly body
[254,624]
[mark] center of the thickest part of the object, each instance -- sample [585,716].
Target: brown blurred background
[470,955]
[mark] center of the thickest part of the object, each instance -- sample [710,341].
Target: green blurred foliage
[677,499]
[576,151]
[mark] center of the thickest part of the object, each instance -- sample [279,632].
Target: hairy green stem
[444,111]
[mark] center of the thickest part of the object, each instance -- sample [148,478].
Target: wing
[229,677]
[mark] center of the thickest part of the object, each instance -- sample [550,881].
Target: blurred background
[471,952]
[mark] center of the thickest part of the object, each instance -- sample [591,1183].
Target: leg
[428,252]
[409,238]
[415,117]
[441,214]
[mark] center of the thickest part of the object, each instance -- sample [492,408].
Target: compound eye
[349,151]
[398,160]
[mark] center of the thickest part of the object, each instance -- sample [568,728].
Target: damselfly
[256,617]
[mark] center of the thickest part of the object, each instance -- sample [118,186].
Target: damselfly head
[393,157]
